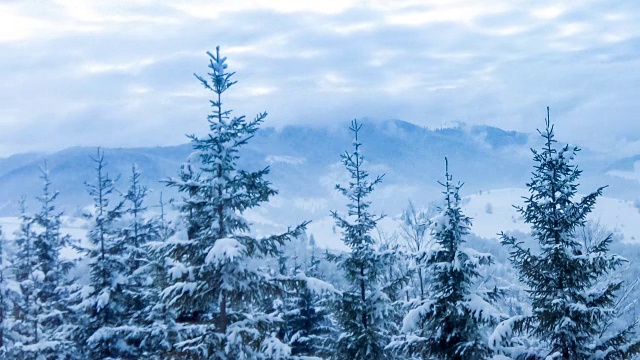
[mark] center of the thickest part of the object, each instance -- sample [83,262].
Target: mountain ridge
[304,163]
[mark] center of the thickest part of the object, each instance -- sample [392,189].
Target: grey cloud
[131,77]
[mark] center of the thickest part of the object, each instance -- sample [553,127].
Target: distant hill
[305,166]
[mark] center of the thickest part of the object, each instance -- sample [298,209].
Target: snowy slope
[74,226]
[492,212]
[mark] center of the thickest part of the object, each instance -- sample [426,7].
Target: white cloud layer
[119,73]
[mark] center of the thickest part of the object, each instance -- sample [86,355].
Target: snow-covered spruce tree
[307,327]
[217,285]
[364,307]
[160,329]
[572,299]
[55,287]
[397,277]
[9,294]
[136,231]
[452,321]
[41,307]
[27,310]
[104,304]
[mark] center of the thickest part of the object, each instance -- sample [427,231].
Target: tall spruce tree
[451,321]
[55,287]
[364,307]
[136,232]
[104,304]
[217,284]
[572,297]
[27,310]
[41,307]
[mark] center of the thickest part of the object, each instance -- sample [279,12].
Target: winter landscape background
[438,276]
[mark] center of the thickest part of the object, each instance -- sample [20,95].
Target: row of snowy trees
[204,287]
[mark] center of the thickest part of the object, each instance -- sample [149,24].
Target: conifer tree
[55,287]
[160,328]
[572,297]
[365,306]
[306,327]
[450,323]
[136,233]
[216,287]
[29,279]
[104,303]
[41,307]
[310,328]
[5,304]
[9,294]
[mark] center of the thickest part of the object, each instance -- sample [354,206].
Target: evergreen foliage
[451,321]
[28,276]
[216,286]
[365,306]
[104,302]
[573,297]
[40,307]
[9,294]
[160,332]
[307,326]
[136,232]
[56,286]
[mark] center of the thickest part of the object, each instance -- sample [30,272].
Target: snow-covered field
[491,212]
[75,227]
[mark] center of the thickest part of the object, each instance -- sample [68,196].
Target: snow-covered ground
[491,212]
[76,227]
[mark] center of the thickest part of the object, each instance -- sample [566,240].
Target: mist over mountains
[305,166]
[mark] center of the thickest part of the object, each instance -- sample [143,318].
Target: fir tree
[41,308]
[5,304]
[310,330]
[55,287]
[136,233]
[365,306]
[160,329]
[29,279]
[306,327]
[104,301]
[451,321]
[572,298]
[216,285]
[9,294]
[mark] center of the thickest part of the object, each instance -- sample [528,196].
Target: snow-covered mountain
[305,166]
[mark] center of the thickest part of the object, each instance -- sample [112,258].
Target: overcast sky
[120,73]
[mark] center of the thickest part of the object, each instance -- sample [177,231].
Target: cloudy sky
[120,73]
